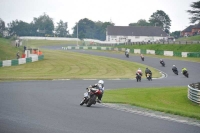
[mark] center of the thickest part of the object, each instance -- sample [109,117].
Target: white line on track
[154,115]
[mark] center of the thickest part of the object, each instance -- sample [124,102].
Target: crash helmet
[101,82]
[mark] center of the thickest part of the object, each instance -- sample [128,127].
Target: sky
[120,12]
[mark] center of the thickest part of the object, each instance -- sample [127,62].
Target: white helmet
[138,68]
[101,82]
[160,59]
[173,65]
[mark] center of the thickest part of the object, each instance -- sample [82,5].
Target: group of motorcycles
[138,77]
[185,72]
[91,95]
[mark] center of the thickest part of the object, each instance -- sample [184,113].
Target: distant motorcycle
[90,96]
[186,74]
[149,77]
[162,63]
[175,72]
[142,58]
[127,55]
[138,77]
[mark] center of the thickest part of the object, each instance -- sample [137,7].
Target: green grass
[66,64]
[166,99]
[166,47]
[38,43]
[192,38]
[7,51]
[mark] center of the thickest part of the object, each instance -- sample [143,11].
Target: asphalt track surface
[53,106]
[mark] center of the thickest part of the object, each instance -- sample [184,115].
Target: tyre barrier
[194,92]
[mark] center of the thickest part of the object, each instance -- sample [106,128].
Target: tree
[141,22]
[89,29]
[61,29]
[2,26]
[195,12]
[160,18]
[86,29]
[19,28]
[44,25]
[175,34]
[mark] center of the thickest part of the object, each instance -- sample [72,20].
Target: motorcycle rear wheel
[91,100]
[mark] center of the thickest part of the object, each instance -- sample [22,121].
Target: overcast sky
[120,12]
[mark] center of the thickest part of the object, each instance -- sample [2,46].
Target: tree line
[86,28]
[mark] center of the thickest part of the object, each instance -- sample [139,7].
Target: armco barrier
[194,92]
[20,61]
[139,51]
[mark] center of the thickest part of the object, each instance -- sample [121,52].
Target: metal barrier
[194,92]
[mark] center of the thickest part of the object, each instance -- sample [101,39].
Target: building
[123,34]
[191,30]
[187,31]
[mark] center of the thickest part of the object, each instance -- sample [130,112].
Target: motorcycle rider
[100,86]
[126,51]
[139,71]
[161,61]
[174,68]
[148,71]
[184,70]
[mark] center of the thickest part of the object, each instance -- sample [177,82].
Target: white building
[123,34]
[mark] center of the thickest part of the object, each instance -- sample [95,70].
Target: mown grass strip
[70,65]
[166,99]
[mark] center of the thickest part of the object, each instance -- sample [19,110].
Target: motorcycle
[149,77]
[186,74]
[142,58]
[162,63]
[127,55]
[175,72]
[138,77]
[90,96]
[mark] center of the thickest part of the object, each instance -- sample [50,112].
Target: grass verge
[171,100]
[66,64]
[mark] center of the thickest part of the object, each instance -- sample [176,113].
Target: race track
[53,106]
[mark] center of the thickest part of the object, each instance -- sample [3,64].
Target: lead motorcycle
[90,96]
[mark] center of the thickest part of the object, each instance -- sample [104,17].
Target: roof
[197,26]
[135,31]
[188,29]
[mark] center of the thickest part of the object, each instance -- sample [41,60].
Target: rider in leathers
[148,71]
[100,86]
[174,68]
